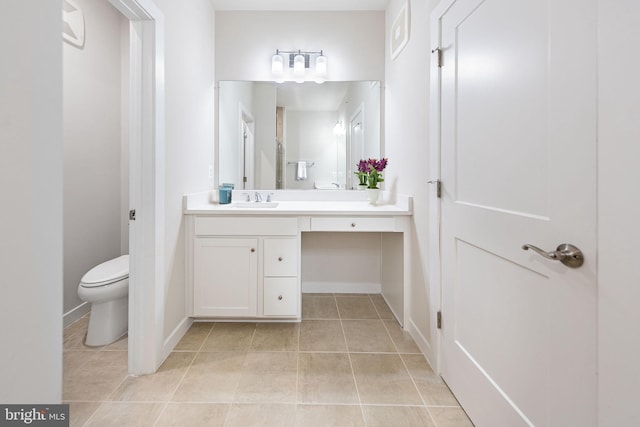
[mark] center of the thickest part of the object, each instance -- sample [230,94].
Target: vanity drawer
[241,226]
[280,296]
[363,223]
[281,257]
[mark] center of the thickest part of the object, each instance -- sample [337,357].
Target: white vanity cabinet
[225,273]
[280,286]
[244,268]
[244,261]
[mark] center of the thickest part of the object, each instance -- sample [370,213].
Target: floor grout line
[353,373]
[233,404]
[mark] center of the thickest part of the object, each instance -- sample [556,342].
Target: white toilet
[106,287]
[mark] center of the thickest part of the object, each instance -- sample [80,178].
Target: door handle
[566,253]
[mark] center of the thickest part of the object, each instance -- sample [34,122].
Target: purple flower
[382,164]
[370,171]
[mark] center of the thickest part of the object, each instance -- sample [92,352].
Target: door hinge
[438,184]
[438,51]
[439,320]
[132,215]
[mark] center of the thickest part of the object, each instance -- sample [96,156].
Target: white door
[225,276]
[248,155]
[518,151]
[356,144]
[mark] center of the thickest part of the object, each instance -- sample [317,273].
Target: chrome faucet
[258,197]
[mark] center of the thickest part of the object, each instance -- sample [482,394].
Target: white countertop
[305,203]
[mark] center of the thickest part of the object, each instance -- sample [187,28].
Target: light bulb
[298,65]
[321,65]
[277,64]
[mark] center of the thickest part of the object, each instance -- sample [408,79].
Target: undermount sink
[255,205]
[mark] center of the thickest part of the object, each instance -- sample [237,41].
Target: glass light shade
[321,65]
[277,64]
[298,65]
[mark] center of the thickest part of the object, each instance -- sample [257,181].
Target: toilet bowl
[106,288]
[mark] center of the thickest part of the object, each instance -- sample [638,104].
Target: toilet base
[108,321]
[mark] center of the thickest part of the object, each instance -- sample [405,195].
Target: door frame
[351,161]
[434,262]
[246,119]
[146,181]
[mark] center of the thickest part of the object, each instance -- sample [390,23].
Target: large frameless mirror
[296,135]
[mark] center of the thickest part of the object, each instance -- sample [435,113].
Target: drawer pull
[279,297]
[253,249]
[353,224]
[279,258]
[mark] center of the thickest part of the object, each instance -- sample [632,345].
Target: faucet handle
[269,197]
[247,197]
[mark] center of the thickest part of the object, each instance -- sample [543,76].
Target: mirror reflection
[296,135]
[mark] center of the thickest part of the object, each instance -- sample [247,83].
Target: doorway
[356,142]
[247,149]
[146,189]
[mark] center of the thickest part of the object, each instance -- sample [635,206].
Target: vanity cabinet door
[280,257]
[281,296]
[225,277]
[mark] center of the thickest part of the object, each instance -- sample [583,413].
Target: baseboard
[398,318]
[420,340]
[175,336]
[75,313]
[341,288]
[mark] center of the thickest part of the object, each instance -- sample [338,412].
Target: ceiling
[300,5]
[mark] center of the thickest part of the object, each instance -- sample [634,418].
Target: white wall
[618,212]
[406,145]
[354,260]
[352,42]
[231,97]
[31,188]
[265,137]
[309,136]
[189,131]
[92,148]
[367,98]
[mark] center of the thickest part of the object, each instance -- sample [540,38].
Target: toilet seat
[106,273]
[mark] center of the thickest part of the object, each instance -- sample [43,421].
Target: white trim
[341,288]
[435,296]
[175,336]
[351,162]
[421,342]
[76,313]
[146,240]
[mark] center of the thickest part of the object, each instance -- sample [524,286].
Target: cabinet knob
[279,258]
[279,297]
[253,249]
[353,224]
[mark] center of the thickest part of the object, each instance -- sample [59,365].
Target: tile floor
[348,363]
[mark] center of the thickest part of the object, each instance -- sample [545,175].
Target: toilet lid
[107,272]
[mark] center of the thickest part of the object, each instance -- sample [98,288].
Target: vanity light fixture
[295,65]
